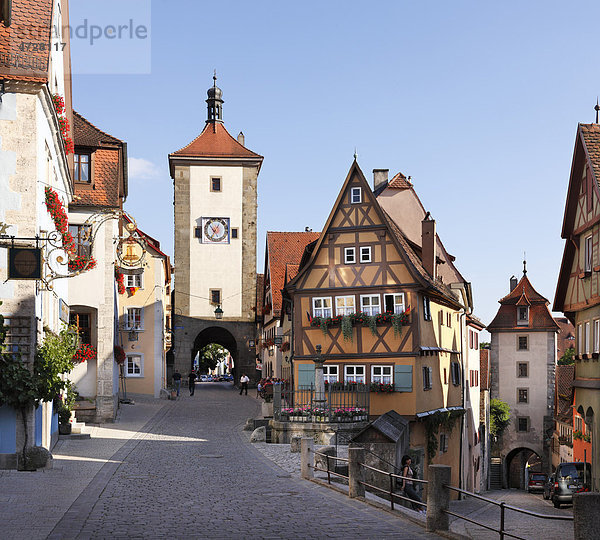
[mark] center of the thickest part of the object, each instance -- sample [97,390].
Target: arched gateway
[215,191]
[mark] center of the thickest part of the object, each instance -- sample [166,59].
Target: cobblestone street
[180,469]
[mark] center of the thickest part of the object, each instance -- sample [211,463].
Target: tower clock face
[215,230]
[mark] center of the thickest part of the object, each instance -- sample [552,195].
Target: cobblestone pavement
[516,523]
[181,469]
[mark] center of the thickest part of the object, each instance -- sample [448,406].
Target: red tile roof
[215,141]
[564,393]
[107,168]
[484,374]
[284,248]
[566,336]
[29,30]
[523,294]
[87,134]
[591,137]
[400,182]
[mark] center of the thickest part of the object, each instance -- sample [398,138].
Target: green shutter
[306,375]
[403,378]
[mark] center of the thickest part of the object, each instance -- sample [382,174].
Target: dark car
[569,478]
[536,482]
[548,487]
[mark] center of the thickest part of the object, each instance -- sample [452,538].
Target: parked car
[537,481]
[569,478]
[203,378]
[548,487]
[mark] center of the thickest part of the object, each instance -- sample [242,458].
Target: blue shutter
[403,378]
[306,375]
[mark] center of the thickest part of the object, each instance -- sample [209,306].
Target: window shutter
[403,378]
[430,370]
[306,375]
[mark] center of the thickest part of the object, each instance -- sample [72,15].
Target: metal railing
[503,507]
[436,486]
[334,405]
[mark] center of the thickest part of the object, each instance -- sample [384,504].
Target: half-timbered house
[578,288]
[382,318]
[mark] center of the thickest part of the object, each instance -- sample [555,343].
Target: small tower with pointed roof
[215,199]
[523,360]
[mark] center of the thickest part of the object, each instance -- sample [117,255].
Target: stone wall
[183,228]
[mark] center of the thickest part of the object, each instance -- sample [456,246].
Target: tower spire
[524,264]
[597,109]
[214,102]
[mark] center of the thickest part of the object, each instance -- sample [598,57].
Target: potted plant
[64,419]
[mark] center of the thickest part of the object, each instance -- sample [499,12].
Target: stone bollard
[307,458]
[295,444]
[438,497]
[586,518]
[356,456]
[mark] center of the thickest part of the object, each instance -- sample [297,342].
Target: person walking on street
[177,381]
[408,485]
[244,380]
[192,382]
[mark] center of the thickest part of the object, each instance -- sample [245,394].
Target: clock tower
[215,202]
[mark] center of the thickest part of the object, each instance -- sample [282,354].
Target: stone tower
[215,200]
[523,361]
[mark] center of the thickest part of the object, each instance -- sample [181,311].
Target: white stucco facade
[216,265]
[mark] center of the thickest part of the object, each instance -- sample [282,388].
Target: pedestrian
[408,485]
[192,382]
[244,383]
[177,381]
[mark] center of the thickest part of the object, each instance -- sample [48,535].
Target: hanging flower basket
[119,355]
[84,353]
[120,279]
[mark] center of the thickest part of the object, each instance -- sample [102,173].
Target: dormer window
[523,315]
[82,168]
[355,195]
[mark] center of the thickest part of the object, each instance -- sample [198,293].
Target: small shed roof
[391,424]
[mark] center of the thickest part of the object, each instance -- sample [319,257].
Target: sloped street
[180,469]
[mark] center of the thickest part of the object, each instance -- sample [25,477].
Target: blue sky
[477,101]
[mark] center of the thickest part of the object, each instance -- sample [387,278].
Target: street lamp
[218,312]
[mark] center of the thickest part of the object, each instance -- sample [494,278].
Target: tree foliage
[568,358]
[210,356]
[499,417]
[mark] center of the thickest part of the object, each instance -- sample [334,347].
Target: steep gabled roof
[412,261]
[284,248]
[586,151]
[87,134]
[260,289]
[564,393]
[523,294]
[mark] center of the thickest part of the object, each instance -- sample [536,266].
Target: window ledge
[585,274]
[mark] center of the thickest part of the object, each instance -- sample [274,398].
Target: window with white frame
[134,365]
[370,305]
[588,253]
[322,307]
[354,374]
[426,308]
[344,305]
[349,255]
[586,337]
[394,303]
[355,195]
[523,315]
[382,374]
[330,373]
[135,280]
[134,318]
[597,335]
[365,254]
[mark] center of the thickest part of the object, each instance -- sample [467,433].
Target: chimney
[428,245]
[513,283]
[241,139]
[380,178]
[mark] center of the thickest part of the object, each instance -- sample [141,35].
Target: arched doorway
[216,335]
[519,462]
